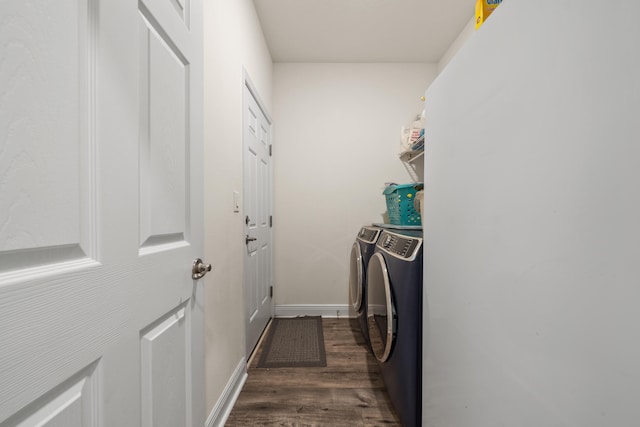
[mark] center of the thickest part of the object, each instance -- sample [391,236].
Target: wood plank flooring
[347,392]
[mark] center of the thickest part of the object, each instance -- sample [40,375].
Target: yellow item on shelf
[484,9]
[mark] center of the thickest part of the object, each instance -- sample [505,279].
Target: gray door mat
[294,342]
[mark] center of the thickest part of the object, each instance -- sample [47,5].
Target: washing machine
[394,319]
[361,252]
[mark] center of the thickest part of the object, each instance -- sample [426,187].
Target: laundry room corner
[337,131]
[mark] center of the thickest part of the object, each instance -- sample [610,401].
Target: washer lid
[381,313]
[356,277]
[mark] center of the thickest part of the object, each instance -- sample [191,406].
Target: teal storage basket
[400,207]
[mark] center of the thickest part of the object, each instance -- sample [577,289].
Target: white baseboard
[223,407]
[324,310]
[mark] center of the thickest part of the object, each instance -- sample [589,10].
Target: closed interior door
[100,213]
[257,210]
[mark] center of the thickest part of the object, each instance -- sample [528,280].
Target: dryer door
[356,277]
[381,314]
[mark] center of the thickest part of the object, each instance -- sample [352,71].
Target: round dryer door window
[356,277]
[381,315]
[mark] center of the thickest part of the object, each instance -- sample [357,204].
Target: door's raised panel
[164,142]
[165,375]
[251,279]
[45,143]
[72,404]
[182,9]
[252,120]
[171,17]
[252,208]
[261,194]
[263,271]
[263,136]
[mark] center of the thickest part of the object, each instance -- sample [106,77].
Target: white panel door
[100,213]
[257,210]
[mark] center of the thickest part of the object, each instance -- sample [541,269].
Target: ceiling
[362,30]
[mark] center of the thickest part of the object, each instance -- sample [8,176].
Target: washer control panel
[401,246]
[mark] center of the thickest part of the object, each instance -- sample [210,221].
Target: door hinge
[270,291]
[270,150]
[270,220]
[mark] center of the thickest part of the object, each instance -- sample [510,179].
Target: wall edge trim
[325,310]
[220,412]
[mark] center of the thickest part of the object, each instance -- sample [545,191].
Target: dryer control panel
[400,246]
[369,235]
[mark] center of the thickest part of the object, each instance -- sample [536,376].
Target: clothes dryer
[361,252]
[394,319]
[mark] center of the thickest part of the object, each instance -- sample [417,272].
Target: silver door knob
[199,269]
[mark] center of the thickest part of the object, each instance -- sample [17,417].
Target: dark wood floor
[347,392]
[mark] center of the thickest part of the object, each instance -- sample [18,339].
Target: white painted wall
[336,140]
[233,39]
[532,232]
[465,35]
